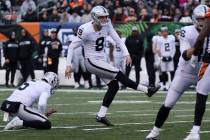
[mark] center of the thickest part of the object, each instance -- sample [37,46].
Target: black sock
[162,116]
[37,124]
[200,107]
[113,87]
[126,81]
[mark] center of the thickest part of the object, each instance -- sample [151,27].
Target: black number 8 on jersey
[100,44]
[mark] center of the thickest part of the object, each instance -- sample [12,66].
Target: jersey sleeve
[173,45]
[77,42]
[117,39]
[110,40]
[184,40]
[42,103]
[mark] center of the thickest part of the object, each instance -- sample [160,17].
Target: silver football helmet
[52,79]
[199,15]
[100,15]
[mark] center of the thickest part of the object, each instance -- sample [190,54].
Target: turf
[132,113]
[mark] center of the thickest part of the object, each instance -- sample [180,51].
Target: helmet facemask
[100,20]
[100,15]
[52,79]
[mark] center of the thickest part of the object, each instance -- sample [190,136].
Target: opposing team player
[78,63]
[92,36]
[166,47]
[20,102]
[185,76]
[203,88]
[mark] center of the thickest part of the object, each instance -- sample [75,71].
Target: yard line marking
[152,110]
[122,102]
[142,114]
[182,102]
[183,116]
[14,130]
[146,130]
[120,124]
[93,129]
[77,113]
[202,132]
[96,91]
[64,127]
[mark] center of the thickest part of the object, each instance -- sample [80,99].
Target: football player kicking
[203,86]
[19,103]
[185,76]
[92,36]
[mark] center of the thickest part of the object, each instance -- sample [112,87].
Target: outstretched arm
[200,40]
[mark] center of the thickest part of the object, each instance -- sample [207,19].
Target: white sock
[156,129]
[102,111]
[142,88]
[195,129]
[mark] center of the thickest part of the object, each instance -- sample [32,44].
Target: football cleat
[104,120]
[193,136]
[76,86]
[152,135]
[15,123]
[152,90]
[86,85]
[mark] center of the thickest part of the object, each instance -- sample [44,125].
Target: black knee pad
[113,85]
[47,124]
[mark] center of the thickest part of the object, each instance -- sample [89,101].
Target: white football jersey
[166,46]
[188,36]
[31,92]
[94,42]
[78,50]
[155,39]
[117,52]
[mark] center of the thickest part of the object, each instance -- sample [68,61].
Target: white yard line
[138,115]
[155,110]
[122,102]
[120,124]
[147,130]
[94,129]
[183,116]
[95,91]
[203,132]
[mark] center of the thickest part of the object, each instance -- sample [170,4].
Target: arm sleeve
[42,103]
[117,39]
[74,44]
[184,43]
[173,47]
[5,50]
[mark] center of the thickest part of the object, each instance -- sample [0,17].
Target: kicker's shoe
[152,90]
[193,136]
[104,120]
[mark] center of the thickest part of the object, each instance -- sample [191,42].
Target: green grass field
[133,114]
